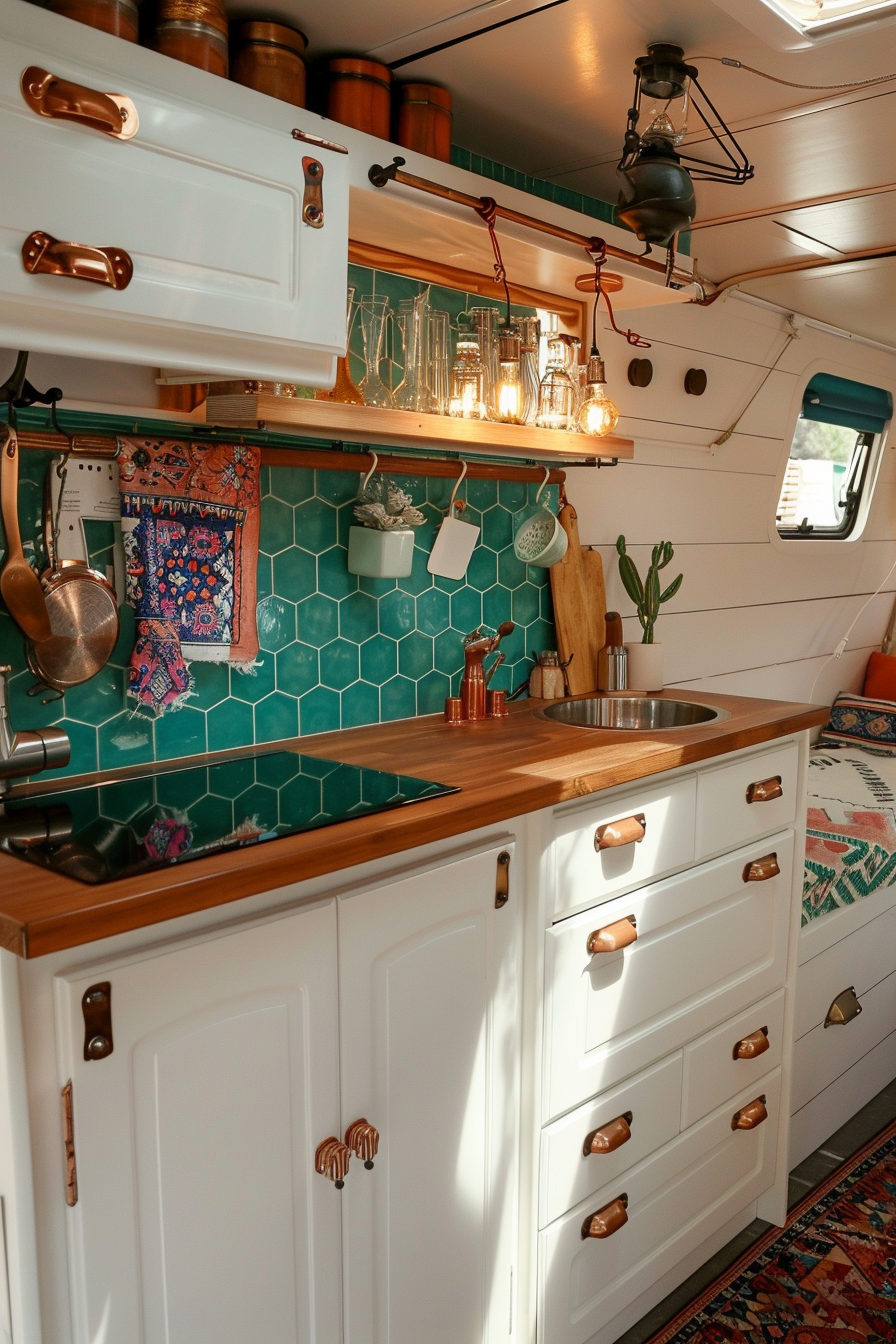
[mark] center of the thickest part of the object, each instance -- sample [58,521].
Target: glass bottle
[345,389]
[466,398]
[530,336]
[439,363]
[507,403]
[485,323]
[374,310]
[412,393]
[557,392]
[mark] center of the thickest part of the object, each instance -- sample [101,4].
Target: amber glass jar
[360,95]
[269,57]
[193,31]
[118,17]
[424,120]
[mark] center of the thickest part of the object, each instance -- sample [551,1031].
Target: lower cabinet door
[199,1218]
[655,1214]
[430,1024]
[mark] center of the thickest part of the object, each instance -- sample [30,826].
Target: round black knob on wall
[640,372]
[695,382]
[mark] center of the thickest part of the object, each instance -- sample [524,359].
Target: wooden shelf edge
[405,429]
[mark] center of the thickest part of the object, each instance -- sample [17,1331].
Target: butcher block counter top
[504,768]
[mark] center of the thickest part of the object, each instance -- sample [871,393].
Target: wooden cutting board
[579,604]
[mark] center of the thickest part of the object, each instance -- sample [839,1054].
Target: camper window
[833,455]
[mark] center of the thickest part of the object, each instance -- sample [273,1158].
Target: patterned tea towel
[189,519]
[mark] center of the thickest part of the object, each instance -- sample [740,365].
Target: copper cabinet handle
[764,790]
[753,1045]
[331,1159]
[845,1007]
[626,831]
[748,1117]
[44,255]
[363,1140]
[760,870]
[607,1220]
[610,1136]
[613,937]
[50,96]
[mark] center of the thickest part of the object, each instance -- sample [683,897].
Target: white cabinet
[206,199]
[200,1216]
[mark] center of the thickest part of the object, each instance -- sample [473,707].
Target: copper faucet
[477,646]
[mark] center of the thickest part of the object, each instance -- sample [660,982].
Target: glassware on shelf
[485,324]
[530,337]
[466,398]
[508,394]
[345,389]
[412,393]
[439,360]
[373,311]
[557,392]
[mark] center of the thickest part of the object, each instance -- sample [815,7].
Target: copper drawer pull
[43,255]
[626,831]
[363,1140]
[607,1220]
[331,1159]
[764,790]
[760,870]
[614,937]
[610,1136]
[748,1117]
[845,1007]
[50,96]
[753,1045]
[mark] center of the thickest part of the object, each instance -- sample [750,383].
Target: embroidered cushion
[880,677]
[859,721]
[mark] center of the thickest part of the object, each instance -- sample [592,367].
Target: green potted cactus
[645,660]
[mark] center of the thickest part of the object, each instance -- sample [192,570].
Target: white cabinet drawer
[585,875]
[725,815]
[676,1199]
[714,1069]
[206,198]
[570,1171]
[861,960]
[824,1053]
[708,944]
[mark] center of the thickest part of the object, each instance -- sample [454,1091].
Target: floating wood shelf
[406,429]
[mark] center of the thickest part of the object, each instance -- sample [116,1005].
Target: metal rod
[381,176]
[763,211]
[788,267]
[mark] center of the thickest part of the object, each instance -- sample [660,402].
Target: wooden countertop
[504,768]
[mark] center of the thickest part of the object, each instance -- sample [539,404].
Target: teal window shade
[840,401]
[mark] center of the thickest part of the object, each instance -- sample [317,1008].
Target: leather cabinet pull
[748,1117]
[626,831]
[764,790]
[760,870]
[753,1045]
[607,1220]
[610,1136]
[613,937]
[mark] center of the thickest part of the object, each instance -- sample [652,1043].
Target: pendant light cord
[598,254]
[791,84]
[792,334]
[488,212]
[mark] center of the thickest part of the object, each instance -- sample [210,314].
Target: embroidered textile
[190,520]
[851,829]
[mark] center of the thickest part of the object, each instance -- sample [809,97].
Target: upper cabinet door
[430,1028]
[200,1219]
[206,200]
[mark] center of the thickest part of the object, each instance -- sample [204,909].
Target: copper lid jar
[118,17]
[360,94]
[193,31]
[269,57]
[424,120]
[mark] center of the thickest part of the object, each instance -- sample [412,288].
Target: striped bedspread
[851,829]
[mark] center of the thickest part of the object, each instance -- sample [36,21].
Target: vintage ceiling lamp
[656,197]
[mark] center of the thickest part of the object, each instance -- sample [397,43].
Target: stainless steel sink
[633,714]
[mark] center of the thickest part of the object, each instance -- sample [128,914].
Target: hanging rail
[381,176]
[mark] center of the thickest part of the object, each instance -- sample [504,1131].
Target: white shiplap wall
[755,615]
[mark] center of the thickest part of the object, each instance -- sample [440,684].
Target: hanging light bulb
[508,394]
[598,415]
[466,399]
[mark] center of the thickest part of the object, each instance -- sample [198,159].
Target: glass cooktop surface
[107,831]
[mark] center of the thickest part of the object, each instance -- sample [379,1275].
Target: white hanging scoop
[455,542]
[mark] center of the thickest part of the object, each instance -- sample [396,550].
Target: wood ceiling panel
[860,298]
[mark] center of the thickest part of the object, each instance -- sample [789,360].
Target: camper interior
[423,916]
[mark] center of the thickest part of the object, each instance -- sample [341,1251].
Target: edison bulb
[598,415]
[508,396]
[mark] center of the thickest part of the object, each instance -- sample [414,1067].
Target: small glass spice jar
[118,17]
[269,57]
[193,31]
[546,677]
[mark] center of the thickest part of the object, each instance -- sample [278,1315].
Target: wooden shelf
[405,429]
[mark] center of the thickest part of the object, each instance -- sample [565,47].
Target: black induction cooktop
[107,831]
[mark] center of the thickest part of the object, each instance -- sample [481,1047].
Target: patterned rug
[828,1277]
